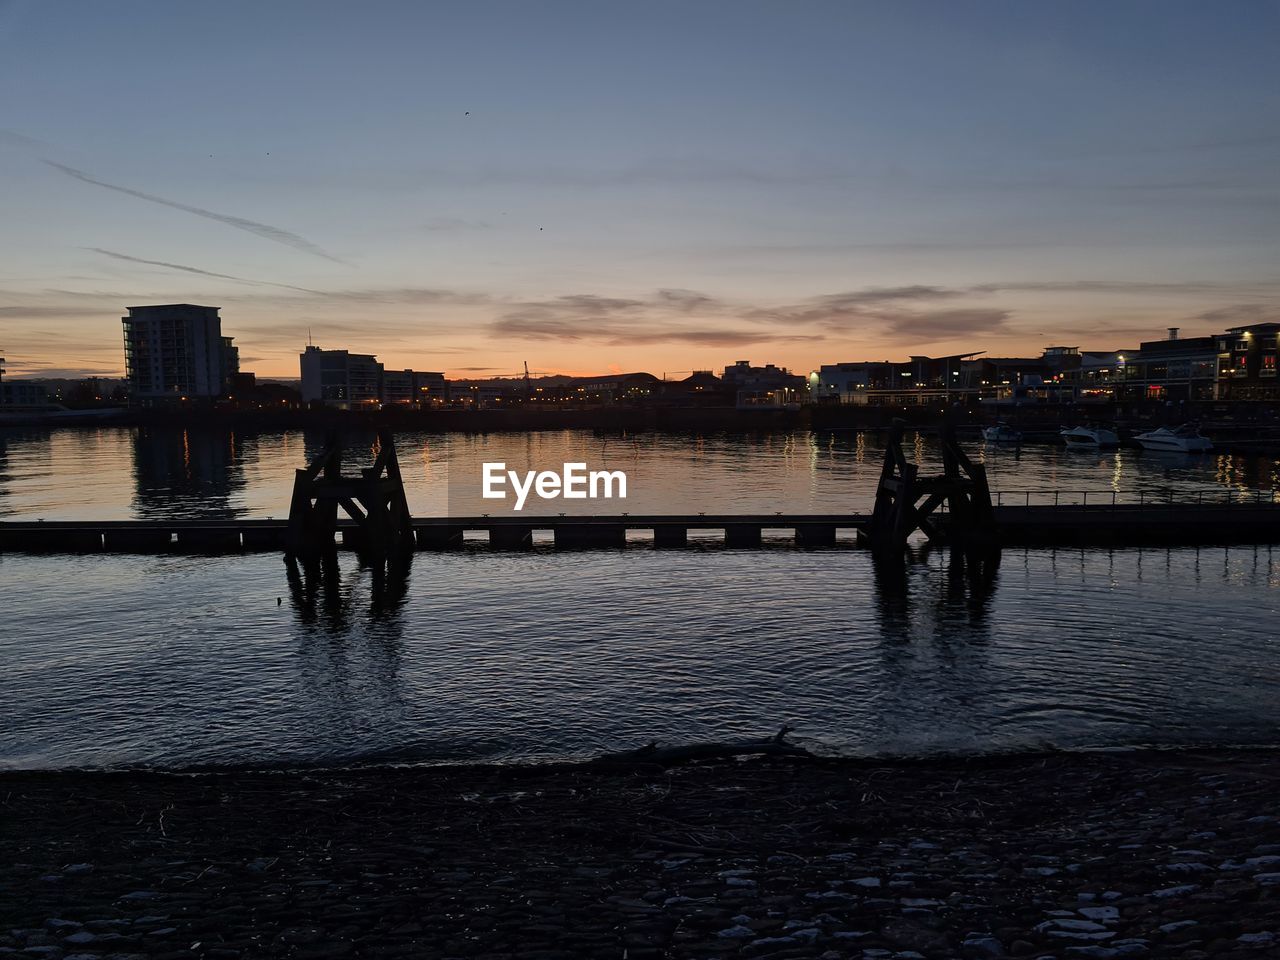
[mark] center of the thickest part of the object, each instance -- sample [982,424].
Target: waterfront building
[1171,369]
[1095,378]
[1238,364]
[21,393]
[1059,360]
[701,388]
[918,381]
[349,381]
[397,387]
[338,378]
[1246,362]
[429,388]
[480,394]
[247,392]
[843,382]
[612,388]
[176,352]
[1008,381]
[767,386]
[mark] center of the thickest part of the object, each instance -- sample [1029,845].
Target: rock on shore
[1066,856]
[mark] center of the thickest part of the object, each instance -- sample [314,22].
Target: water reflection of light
[428,467]
[66,474]
[1222,472]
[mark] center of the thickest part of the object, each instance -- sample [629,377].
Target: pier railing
[1163,497]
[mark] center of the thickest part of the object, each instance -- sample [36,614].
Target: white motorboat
[1184,439]
[1090,437]
[1001,433]
[23,415]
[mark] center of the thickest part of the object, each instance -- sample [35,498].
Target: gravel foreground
[1147,854]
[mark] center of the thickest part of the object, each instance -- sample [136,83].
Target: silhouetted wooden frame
[906,502]
[375,500]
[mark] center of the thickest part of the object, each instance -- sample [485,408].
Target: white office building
[338,378]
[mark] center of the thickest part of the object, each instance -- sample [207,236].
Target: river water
[183,661]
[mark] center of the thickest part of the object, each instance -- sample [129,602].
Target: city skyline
[451,187]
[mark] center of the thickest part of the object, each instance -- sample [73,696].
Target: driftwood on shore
[669,756]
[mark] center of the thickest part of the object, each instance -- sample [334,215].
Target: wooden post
[899,509]
[375,500]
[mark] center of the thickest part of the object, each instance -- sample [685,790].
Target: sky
[660,186]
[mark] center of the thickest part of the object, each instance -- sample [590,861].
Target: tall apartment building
[175,352]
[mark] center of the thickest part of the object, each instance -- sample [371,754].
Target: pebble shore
[1140,854]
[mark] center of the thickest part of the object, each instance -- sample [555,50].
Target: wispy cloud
[407,322]
[44,370]
[689,301]
[910,314]
[710,338]
[878,295]
[203,273]
[366,296]
[865,311]
[264,230]
[276,335]
[613,333]
[410,295]
[947,324]
[12,138]
[1241,314]
[54,312]
[618,321]
[1145,288]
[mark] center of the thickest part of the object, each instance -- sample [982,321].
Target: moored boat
[1001,433]
[1183,439]
[1090,437]
[22,415]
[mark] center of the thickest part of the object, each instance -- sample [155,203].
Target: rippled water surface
[179,661]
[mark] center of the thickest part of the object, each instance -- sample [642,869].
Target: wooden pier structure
[906,501]
[954,508]
[379,524]
[1170,523]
